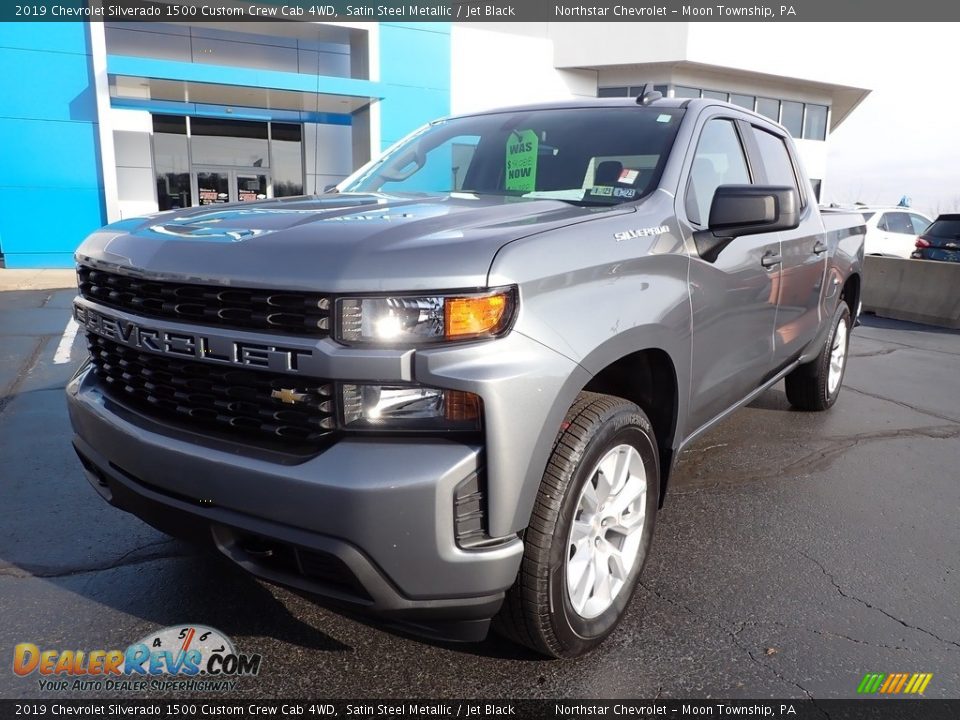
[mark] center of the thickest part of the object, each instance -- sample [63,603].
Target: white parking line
[66,343]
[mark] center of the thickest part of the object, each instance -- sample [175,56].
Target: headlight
[413,319]
[384,407]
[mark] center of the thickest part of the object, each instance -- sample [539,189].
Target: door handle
[820,248]
[769,260]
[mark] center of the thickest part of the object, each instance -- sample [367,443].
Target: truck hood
[332,243]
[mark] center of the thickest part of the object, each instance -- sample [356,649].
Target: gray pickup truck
[451,391]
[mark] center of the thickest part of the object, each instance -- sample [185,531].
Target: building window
[815,123]
[682,91]
[768,107]
[217,160]
[613,92]
[229,142]
[171,162]
[286,159]
[714,95]
[791,117]
[744,101]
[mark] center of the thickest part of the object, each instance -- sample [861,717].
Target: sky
[904,139]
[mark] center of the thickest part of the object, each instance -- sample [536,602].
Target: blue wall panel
[48,153]
[415,73]
[51,189]
[47,85]
[45,225]
[61,37]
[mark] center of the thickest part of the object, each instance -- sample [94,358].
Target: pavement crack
[137,556]
[876,353]
[906,405]
[780,676]
[11,392]
[734,635]
[829,634]
[904,346]
[871,606]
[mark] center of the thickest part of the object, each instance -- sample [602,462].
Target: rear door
[803,250]
[734,298]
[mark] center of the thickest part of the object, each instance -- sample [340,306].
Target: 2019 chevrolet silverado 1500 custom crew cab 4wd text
[453,390]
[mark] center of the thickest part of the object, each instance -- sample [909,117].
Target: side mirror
[746,210]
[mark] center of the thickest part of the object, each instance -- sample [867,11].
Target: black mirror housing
[747,210]
[750,209]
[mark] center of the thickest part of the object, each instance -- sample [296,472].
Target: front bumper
[369,521]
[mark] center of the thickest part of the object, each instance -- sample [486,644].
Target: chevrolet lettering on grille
[200,347]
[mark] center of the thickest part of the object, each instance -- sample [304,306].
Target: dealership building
[106,121]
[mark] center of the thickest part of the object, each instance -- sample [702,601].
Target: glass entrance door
[251,186]
[213,187]
[216,185]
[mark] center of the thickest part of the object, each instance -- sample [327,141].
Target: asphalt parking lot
[796,552]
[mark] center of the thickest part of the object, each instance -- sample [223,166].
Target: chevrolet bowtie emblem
[288,396]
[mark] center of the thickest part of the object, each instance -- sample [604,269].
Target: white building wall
[585,44]
[828,52]
[813,155]
[136,189]
[493,66]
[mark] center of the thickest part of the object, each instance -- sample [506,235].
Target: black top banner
[479,11]
[447,709]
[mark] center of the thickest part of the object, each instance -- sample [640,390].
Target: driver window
[719,160]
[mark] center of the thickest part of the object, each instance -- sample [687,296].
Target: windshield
[601,155]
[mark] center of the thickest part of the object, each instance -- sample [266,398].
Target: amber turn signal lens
[461,406]
[475,316]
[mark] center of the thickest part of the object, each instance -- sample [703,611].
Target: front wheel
[590,532]
[816,385]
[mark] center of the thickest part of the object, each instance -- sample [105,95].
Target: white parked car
[892,231]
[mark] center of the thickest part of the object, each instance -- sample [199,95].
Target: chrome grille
[275,409]
[299,313]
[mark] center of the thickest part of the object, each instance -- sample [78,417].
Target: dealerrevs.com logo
[179,657]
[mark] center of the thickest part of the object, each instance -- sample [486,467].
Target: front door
[216,185]
[733,297]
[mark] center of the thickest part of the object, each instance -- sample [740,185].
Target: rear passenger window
[776,160]
[719,160]
[896,222]
[919,223]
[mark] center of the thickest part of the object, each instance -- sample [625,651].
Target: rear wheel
[590,532]
[816,385]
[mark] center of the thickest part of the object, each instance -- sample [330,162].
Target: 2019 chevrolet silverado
[452,391]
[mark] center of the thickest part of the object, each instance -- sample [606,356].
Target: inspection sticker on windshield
[522,147]
[608,191]
[628,177]
[664,118]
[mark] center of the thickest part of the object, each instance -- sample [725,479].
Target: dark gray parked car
[454,390]
[940,241]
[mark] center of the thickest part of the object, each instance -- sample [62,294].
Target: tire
[816,384]
[542,610]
